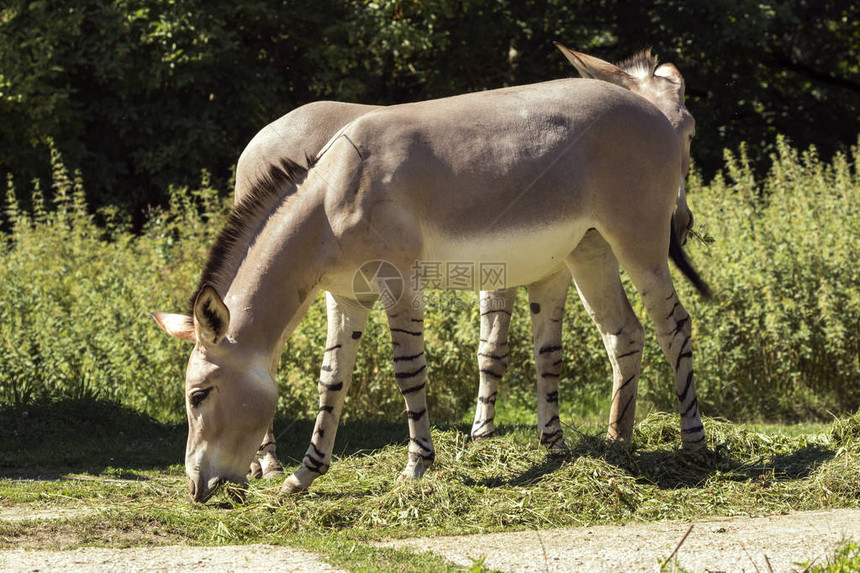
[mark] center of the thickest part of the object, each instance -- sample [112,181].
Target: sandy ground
[742,544]
[245,558]
[17,514]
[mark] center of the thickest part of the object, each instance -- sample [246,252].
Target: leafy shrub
[75,295]
[781,337]
[779,340]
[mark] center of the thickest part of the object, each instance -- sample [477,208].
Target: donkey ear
[211,317]
[176,325]
[671,73]
[595,68]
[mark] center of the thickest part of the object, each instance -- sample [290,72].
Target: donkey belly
[523,255]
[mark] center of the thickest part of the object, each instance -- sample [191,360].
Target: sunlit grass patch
[501,484]
[511,483]
[845,559]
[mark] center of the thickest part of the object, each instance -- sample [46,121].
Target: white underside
[528,255]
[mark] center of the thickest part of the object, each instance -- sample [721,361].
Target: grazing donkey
[305,130]
[293,137]
[519,175]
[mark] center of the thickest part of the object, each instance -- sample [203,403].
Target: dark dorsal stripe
[248,214]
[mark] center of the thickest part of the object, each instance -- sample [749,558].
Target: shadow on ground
[48,440]
[52,439]
[670,467]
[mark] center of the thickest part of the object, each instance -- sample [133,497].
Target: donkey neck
[277,277]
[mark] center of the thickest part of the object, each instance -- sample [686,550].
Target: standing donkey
[519,175]
[305,130]
[595,273]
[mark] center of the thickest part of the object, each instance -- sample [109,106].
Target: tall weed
[75,296]
[778,341]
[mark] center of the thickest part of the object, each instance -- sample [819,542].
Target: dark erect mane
[246,218]
[640,65]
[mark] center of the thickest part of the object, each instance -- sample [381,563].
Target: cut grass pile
[510,483]
[131,471]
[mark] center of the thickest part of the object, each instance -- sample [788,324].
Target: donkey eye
[198,396]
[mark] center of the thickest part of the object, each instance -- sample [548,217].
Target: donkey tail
[679,257]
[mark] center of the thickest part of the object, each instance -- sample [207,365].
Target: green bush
[779,340]
[75,296]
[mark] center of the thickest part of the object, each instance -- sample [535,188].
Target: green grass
[46,440]
[845,559]
[124,473]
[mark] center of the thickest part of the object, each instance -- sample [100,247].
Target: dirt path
[740,544]
[244,558]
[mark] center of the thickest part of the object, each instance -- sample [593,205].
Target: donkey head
[663,86]
[229,400]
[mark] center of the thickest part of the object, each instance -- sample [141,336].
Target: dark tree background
[142,94]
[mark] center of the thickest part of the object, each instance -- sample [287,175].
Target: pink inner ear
[176,325]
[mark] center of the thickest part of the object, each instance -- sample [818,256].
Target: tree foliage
[141,94]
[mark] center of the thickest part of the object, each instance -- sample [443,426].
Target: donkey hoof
[414,470]
[615,437]
[483,436]
[292,486]
[558,449]
[406,478]
[274,473]
[695,445]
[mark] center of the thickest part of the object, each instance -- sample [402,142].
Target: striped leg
[496,307]
[546,302]
[266,463]
[346,322]
[410,372]
[595,272]
[674,332]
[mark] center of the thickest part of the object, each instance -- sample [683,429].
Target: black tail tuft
[676,253]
